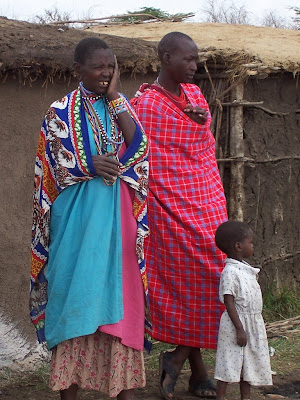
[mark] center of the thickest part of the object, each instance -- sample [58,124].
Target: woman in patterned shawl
[88,281]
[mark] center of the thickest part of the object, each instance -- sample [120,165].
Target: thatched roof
[271,49]
[32,50]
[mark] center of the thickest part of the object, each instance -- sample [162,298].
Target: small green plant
[149,13]
[6,376]
[42,371]
[281,303]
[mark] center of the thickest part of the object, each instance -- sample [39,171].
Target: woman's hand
[241,337]
[125,122]
[112,92]
[197,114]
[107,166]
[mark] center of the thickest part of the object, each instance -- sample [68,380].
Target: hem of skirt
[217,378]
[212,346]
[260,384]
[86,332]
[99,389]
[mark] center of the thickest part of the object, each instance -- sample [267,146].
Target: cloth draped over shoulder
[186,204]
[64,158]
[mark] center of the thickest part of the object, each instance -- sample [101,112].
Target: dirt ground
[33,387]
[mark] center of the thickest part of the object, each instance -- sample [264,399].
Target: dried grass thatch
[29,51]
[267,49]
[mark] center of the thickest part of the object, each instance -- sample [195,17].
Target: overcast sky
[79,9]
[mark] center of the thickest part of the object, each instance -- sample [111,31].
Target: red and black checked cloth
[186,205]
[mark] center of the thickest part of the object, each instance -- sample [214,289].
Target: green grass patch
[39,376]
[6,376]
[287,355]
[281,303]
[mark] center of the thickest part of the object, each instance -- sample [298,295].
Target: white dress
[252,362]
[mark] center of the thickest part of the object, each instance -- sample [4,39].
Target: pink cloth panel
[131,328]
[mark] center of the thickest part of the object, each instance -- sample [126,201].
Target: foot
[126,395]
[169,370]
[203,389]
[70,393]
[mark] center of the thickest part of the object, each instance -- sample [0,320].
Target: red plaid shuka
[186,204]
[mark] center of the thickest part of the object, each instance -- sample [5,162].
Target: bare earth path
[33,387]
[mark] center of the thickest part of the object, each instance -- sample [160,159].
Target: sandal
[165,367]
[206,389]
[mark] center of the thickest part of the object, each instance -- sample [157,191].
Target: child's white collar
[242,265]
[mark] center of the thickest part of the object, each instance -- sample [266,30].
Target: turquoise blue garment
[84,270]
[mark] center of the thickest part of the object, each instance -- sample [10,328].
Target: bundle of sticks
[286,327]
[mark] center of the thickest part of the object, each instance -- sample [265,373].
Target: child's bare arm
[241,335]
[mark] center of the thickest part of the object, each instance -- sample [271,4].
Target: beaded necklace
[101,137]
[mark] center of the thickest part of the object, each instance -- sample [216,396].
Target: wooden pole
[236,201]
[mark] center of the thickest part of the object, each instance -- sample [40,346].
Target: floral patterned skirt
[97,362]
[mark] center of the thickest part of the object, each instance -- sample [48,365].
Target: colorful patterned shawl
[64,158]
[186,203]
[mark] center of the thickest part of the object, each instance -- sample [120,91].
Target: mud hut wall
[271,188]
[22,110]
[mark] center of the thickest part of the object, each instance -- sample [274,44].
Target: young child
[242,353]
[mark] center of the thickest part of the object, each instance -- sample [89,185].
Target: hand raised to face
[112,92]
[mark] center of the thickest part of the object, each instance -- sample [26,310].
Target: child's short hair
[229,233]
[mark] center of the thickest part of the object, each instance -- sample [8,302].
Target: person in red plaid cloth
[186,204]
